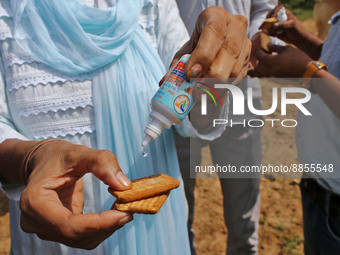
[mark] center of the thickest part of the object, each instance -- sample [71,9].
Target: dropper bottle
[282,15]
[171,103]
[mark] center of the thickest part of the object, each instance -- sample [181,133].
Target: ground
[281,215]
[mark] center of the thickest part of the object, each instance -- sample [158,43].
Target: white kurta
[37,102]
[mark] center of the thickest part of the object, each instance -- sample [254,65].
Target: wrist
[301,37]
[12,152]
[312,70]
[309,43]
[28,162]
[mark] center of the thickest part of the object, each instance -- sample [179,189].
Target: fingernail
[195,70]
[123,180]
[126,219]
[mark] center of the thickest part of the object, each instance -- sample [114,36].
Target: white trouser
[238,146]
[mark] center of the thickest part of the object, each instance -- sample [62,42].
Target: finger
[274,11]
[229,61]
[103,164]
[210,40]
[31,225]
[63,225]
[254,73]
[280,27]
[243,61]
[237,46]
[276,48]
[262,56]
[187,48]
[89,230]
[80,235]
[260,71]
[80,160]
[265,63]
[242,74]
[91,242]
[44,213]
[222,65]
[94,223]
[270,13]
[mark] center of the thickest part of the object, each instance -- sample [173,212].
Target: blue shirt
[318,136]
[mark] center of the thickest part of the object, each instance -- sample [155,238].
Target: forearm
[309,43]
[328,88]
[12,153]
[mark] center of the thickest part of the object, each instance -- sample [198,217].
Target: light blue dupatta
[74,38]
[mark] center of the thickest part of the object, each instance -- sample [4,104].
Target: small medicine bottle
[171,103]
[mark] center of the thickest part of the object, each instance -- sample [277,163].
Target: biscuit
[146,187]
[268,23]
[265,40]
[149,205]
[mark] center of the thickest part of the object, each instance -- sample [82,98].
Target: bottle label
[176,91]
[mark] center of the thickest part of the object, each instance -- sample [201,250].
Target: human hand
[290,31]
[289,62]
[52,203]
[219,46]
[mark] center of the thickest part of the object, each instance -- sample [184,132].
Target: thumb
[276,48]
[282,25]
[89,230]
[172,66]
[262,55]
[97,222]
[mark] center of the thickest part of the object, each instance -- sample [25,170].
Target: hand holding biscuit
[288,31]
[292,32]
[53,197]
[219,48]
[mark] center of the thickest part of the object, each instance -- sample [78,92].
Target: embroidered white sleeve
[170,30]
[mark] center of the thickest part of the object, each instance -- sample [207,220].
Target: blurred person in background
[323,11]
[238,145]
[317,136]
